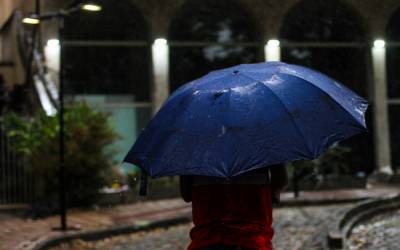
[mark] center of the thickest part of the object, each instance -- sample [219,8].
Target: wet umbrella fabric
[241,118]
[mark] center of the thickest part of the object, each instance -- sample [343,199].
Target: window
[208,35]
[108,52]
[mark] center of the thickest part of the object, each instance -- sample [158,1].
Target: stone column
[272,51]
[159,15]
[160,63]
[380,109]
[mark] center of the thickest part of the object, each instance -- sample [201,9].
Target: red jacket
[233,214]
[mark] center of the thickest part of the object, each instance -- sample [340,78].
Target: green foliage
[88,165]
[331,163]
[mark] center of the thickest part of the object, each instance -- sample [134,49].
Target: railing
[16,181]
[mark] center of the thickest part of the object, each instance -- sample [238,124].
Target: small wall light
[160,41]
[379,43]
[53,43]
[31,20]
[273,43]
[91,7]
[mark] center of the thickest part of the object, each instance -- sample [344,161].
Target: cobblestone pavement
[380,232]
[21,233]
[297,228]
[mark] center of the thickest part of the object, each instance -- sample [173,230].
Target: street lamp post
[63,191]
[36,19]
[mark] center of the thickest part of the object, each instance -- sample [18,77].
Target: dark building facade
[138,51]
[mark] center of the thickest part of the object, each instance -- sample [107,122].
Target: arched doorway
[208,35]
[107,64]
[328,36]
[321,22]
[100,63]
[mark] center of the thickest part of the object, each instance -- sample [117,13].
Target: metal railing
[16,181]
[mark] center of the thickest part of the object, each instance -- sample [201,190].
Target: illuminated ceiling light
[273,43]
[53,43]
[91,7]
[31,20]
[379,43]
[160,41]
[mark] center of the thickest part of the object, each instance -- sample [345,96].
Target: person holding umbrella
[236,213]
[227,133]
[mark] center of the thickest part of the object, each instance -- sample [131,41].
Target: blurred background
[118,60]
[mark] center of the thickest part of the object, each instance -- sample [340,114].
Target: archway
[107,64]
[322,23]
[100,62]
[328,36]
[208,35]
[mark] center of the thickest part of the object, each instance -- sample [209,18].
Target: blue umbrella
[241,118]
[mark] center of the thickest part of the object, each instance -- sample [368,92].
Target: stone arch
[113,69]
[205,13]
[158,14]
[319,21]
[392,27]
[210,23]
[322,20]
[390,13]
[118,20]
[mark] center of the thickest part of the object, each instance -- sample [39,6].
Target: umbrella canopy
[237,119]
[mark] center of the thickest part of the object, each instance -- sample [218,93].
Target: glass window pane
[315,20]
[108,70]
[393,73]
[347,65]
[189,63]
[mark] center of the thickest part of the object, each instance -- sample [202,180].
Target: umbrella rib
[290,114]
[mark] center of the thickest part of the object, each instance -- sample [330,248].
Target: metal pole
[63,203]
[9,170]
[296,183]
[2,164]
[14,178]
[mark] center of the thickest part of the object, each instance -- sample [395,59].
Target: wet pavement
[21,233]
[380,232]
[297,228]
